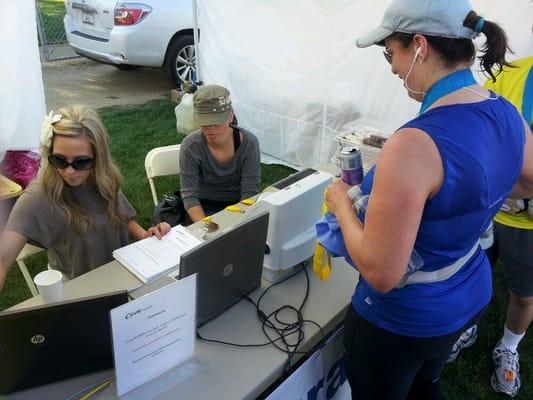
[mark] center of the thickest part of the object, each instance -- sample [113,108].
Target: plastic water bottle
[360,203]
[359,200]
[415,263]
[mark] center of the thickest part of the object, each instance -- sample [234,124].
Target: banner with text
[321,377]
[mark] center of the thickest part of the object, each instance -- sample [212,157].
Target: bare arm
[137,231]
[409,172]
[196,213]
[523,188]
[11,243]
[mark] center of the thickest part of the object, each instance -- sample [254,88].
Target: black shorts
[514,247]
[386,366]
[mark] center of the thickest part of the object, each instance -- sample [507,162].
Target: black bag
[171,210]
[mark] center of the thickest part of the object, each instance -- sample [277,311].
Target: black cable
[286,329]
[278,330]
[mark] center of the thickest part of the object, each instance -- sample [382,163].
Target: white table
[227,372]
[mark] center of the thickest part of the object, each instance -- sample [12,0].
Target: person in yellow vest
[513,233]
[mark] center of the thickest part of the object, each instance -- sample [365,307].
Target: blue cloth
[329,235]
[478,176]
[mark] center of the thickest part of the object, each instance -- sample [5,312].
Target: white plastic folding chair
[161,161]
[27,251]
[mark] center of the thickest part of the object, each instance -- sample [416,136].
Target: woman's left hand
[159,230]
[337,198]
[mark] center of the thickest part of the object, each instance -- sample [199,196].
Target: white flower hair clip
[47,128]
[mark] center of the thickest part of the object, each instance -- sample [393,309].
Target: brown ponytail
[495,47]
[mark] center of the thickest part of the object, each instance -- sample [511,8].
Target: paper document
[149,258]
[154,333]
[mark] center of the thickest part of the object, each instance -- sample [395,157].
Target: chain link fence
[52,38]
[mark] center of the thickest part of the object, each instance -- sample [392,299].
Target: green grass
[468,377]
[137,129]
[52,13]
[134,131]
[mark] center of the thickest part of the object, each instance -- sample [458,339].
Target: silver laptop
[44,344]
[229,266]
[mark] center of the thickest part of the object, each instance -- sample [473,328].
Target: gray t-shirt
[34,217]
[203,177]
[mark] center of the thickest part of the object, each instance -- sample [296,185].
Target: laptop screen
[44,344]
[229,266]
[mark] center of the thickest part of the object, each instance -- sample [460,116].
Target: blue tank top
[478,176]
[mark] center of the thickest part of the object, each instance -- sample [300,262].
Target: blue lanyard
[444,86]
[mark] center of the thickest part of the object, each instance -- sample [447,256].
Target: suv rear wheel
[181,59]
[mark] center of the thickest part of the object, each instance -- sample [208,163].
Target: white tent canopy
[296,77]
[22,104]
[294,73]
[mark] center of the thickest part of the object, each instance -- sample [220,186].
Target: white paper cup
[50,285]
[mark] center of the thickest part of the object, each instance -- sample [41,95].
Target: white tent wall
[296,77]
[22,105]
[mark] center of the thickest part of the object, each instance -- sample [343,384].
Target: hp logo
[37,339]
[228,269]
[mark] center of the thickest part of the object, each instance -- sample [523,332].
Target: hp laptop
[44,344]
[229,266]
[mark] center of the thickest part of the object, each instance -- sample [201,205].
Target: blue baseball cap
[442,18]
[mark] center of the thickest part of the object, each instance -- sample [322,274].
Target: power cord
[282,332]
[275,328]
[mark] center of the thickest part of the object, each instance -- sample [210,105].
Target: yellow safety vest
[516,85]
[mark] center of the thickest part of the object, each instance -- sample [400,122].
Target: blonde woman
[76,208]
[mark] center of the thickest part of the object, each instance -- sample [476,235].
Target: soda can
[351,165]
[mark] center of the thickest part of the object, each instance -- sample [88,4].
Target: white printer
[295,205]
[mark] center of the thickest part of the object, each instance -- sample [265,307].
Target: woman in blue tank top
[439,181]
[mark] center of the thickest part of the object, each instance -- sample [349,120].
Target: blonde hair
[80,120]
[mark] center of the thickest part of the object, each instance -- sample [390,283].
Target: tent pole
[196,42]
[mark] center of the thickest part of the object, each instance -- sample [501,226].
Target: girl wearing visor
[220,164]
[438,183]
[75,208]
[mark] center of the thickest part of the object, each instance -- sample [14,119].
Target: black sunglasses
[79,164]
[388,56]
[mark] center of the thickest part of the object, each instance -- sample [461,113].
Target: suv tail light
[130,13]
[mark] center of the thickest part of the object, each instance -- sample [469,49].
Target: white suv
[148,33]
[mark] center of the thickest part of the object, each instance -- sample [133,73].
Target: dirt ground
[82,81]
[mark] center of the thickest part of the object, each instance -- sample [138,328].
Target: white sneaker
[506,375]
[467,339]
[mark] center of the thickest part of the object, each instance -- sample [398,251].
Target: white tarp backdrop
[22,106]
[296,77]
